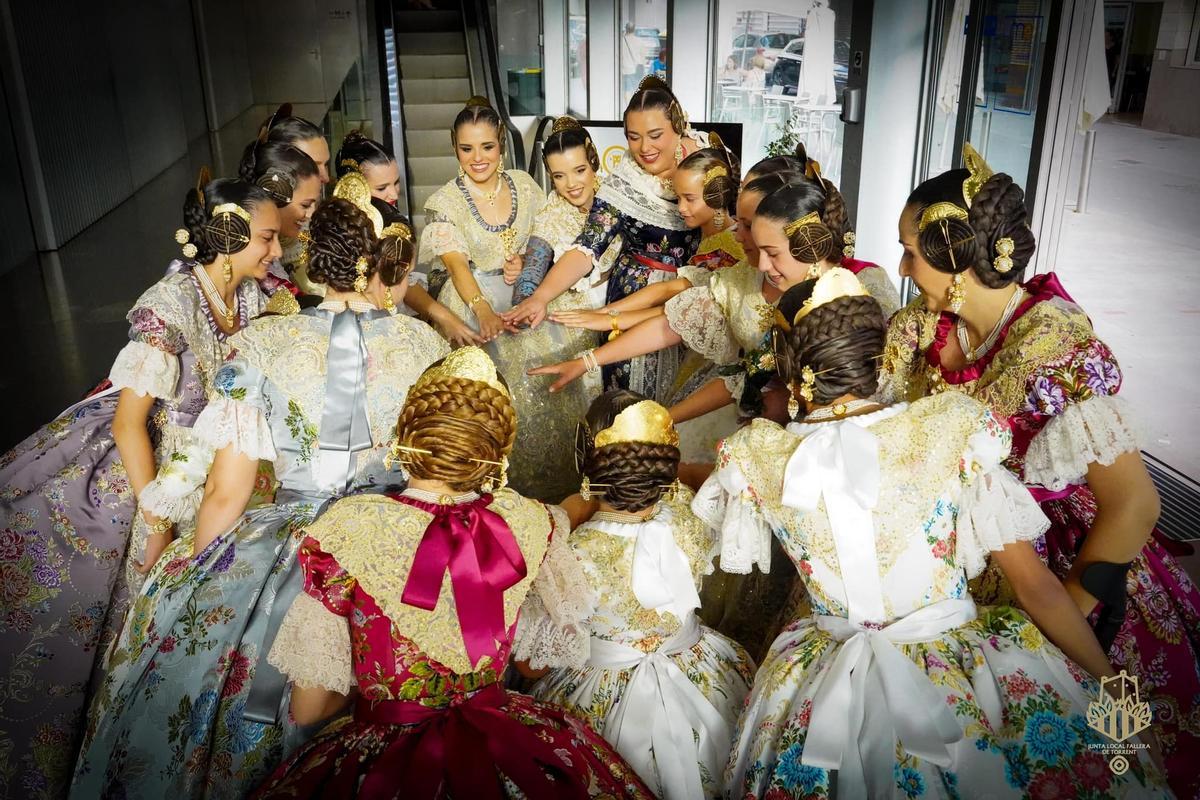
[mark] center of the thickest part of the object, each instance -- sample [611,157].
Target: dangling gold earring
[808,381]
[595,184]
[227,270]
[957,294]
[462,173]
[585,489]
[793,406]
[678,151]
[719,219]
[389,303]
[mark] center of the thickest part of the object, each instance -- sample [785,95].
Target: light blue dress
[190,707]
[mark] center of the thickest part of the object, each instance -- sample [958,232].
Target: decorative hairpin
[350,163]
[713,173]
[811,218]
[1003,262]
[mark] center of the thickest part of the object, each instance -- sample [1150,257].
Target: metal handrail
[475,11]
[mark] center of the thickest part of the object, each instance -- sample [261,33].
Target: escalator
[436,56]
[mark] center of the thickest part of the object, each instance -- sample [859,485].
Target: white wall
[891,127]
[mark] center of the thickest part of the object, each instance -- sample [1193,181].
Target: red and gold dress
[403,602]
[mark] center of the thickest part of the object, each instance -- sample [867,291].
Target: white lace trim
[145,370]
[696,276]
[995,510]
[1096,431]
[313,647]
[724,504]
[552,630]
[736,384]
[178,488]
[225,421]
[696,317]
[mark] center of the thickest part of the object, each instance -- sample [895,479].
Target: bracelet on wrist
[589,360]
[161,526]
[616,329]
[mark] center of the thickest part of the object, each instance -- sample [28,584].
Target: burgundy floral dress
[429,721]
[1057,384]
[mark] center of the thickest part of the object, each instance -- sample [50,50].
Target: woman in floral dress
[74,539]
[640,669]
[1029,352]
[190,707]
[636,202]
[424,653]
[897,685]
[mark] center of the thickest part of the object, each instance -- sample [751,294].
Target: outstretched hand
[530,311]
[565,372]
[588,319]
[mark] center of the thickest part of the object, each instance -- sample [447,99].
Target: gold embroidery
[374,538]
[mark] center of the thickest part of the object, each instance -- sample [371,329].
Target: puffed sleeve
[149,363]
[696,317]
[552,627]
[726,504]
[313,645]
[995,508]
[440,236]
[603,224]
[236,412]
[1091,424]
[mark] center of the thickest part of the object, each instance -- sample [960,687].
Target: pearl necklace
[490,197]
[837,410]
[973,354]
[214,297]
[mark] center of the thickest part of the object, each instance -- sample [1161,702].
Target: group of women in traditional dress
[635,492]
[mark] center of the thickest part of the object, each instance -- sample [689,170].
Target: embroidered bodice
[268,399]
[605,546]
[927,479]
[1048,374]
[453,224]
[356,563]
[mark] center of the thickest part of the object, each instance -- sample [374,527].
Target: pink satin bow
[479,549]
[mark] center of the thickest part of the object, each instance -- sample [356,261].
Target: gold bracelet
[616,329]
[163,525]
[479,298]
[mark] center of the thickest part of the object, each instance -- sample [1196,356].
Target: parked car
[745,46]
[786,72]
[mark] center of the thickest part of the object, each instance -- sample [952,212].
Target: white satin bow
[662,577]
[840,463]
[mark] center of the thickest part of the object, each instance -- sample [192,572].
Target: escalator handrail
[490,48]
[535,152]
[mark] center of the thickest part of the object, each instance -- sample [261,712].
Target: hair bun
[652,81]
[478,100]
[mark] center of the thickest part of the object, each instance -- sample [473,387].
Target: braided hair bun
[199,201]
[840,341]
[341,234]
[358,151]
[277,167]
[630,476]
[463,424]
[720,191]
[808,243]
[394,254]
[997,212]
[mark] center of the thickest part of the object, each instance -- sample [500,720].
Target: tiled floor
[1131,262]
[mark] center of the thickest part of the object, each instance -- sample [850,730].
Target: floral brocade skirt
[169,718]
[496,743]
[1020,704]
[65,514]
[1159,641]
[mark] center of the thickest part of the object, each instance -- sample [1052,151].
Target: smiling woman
[78,534]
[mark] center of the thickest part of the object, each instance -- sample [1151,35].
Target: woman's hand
[459,333]
[491,324]
[512,268]
[566,372]
[530,311]
[592,319]
[157,540]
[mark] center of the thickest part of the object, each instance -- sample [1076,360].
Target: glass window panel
[1006,93]
[949,77]
[577,65]
[780,69]
[518,34]
[641,43]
